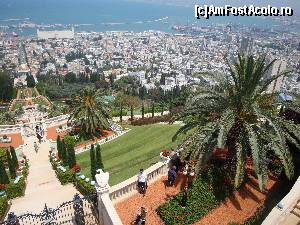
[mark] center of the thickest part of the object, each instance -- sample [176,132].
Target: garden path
[42,184]
[157,194]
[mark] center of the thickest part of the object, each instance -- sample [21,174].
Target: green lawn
[139,148]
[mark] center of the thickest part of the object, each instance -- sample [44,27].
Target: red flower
[166,152]
[76,167]
[2,186]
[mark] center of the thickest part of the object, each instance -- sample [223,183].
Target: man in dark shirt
[172,175]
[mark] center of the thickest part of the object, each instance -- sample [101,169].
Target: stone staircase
[296,210]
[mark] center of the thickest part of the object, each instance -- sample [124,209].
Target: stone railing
[278,216]
[129,186]
[55,121]
[10,129]
[146,115]
[108,212]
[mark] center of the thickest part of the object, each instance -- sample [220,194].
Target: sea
[25,16]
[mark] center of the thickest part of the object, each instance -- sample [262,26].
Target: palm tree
[238,112]
[90,112]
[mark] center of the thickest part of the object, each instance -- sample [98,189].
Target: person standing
[142,182]
[172,175]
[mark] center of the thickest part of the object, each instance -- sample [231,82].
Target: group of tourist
[175,166]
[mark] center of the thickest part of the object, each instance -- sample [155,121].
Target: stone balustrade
[10,129]
[109,214]
[129,186]
[279,216]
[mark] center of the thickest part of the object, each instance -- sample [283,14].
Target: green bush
[206,193]
[3,207]
[16,190]
[83,187]
[65,177]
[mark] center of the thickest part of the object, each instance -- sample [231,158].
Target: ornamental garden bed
[150,120]
[67,175]
[13,178]
[206,193]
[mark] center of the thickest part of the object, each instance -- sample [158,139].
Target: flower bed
[83,184]
[206,193]
[3,207]
[150,120]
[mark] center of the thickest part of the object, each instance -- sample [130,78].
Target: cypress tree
[99,163]
[11,166]
[14,157]
[121,112]
[3,175]
[152,109]
[58,145]
[64,154]
[131,113]
[143,110]
[71,157]
[93,163]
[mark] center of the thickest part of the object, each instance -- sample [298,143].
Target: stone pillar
[102,189]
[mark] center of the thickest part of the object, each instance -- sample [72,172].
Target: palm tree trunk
[121,113]
[143,110]
[152,110]
[131,113]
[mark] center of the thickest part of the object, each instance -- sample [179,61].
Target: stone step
[296,212]
[298,205]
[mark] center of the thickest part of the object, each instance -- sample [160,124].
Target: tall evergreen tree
[99,163]
[93,163]
[131,113]
[121,112]
[58,143]
[11,165]
[143,110]
[3,175]
[14,157]
[64,153]
[152,110]
[71,157]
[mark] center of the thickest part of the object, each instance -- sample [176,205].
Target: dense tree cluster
[6,86]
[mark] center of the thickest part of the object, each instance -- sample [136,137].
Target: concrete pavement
[42,184]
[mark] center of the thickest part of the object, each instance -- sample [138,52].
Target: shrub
[83,187]
[76,168]
[150,120]
[205,194]
[65,177]
[3,207]
[16,190]
[166,152]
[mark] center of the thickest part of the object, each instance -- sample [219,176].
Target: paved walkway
[157,194]
[42,184]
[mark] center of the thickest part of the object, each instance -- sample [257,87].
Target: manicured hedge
[16,190]
[3,207]
[65,177]
[206,193]
[150,120]
[83,187]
